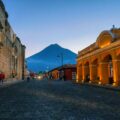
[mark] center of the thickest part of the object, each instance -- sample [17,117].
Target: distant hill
[49,58]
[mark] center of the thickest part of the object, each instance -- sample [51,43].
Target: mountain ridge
[47,58]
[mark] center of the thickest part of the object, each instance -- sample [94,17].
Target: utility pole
[61,57]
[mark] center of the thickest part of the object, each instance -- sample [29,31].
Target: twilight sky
[73,24]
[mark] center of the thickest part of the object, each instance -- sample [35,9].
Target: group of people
[30,76]
[2,77]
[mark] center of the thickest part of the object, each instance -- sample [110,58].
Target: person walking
[28,78]
[2,77]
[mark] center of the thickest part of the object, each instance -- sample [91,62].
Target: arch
[86,72]
[108,69]
[107,58]
[86,63]
[105,38]
[94,74]
[95,61]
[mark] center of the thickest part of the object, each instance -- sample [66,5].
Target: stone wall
[12,52]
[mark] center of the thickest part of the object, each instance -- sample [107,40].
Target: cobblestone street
[57,100]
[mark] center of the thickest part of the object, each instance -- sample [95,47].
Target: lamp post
[61,56]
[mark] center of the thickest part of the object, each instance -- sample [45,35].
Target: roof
[64,67]
[67,66]
[114,33]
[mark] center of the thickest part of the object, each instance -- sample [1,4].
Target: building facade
[12,52]
[65,72]
[68,72]
[55,74]
[100,62]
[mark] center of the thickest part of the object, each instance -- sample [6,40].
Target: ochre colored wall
[55,74]
[107,49]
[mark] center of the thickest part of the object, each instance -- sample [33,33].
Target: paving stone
[58,100]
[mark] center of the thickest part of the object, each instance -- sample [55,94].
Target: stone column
[83,73]
[103,73]
[116,72]
[80,73]
[93,73]
[77,80]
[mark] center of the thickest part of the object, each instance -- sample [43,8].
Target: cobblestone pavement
[57,100]
[9,82]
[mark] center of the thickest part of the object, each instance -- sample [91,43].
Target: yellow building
[12,52]
[54,73]
[100,62]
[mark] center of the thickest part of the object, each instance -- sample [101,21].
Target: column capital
[91,65]
[103,63]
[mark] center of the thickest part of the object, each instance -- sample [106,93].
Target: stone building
[12,52]
[100,62]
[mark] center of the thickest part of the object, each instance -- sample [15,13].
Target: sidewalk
[9,82]
[110,87]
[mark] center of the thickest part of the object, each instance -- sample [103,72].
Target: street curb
[99,86]
[11,82]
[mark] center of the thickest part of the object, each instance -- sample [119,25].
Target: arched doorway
[79,72]
[94,76]
[108,69]
[86,72]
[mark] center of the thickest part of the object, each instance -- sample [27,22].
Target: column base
[115,84]
[82,81]
[99,83]
[77,81]
[90,81]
